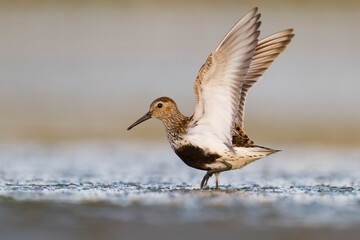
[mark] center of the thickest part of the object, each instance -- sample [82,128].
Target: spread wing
[218,85]
[267,50]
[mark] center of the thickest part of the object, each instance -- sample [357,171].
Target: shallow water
[70,188]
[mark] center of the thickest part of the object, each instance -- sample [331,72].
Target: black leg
[209,173]
[217,179]
[205,179]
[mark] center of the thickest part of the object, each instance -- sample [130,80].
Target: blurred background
[74,74]
[80,70]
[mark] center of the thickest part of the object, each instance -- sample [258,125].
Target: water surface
[70,188]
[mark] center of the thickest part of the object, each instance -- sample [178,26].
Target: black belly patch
[196,157]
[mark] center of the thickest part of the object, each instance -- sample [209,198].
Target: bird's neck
[175,126]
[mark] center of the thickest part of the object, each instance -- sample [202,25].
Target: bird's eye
[159,105]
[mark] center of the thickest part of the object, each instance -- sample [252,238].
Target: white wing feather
[267,50]
[218,85]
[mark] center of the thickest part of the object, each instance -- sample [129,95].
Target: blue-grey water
[91,189]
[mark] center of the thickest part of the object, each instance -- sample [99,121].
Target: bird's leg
[206,178]
[217,179]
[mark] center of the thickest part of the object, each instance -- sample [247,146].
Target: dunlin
[212,139]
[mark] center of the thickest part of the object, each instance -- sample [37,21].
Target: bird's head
[162,108]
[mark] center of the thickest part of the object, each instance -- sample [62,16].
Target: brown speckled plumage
[213,138]
[240,139]
[176,128]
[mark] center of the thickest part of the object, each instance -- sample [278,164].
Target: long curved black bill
[142,119]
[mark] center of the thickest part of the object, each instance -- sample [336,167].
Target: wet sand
[107,190]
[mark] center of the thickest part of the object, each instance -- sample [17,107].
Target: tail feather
[265,149]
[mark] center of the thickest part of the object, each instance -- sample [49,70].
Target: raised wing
[218,85]
[267,50]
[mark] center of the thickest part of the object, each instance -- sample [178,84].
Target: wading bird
[212,139]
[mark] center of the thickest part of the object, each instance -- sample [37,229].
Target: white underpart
[238,158]
[242,157]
